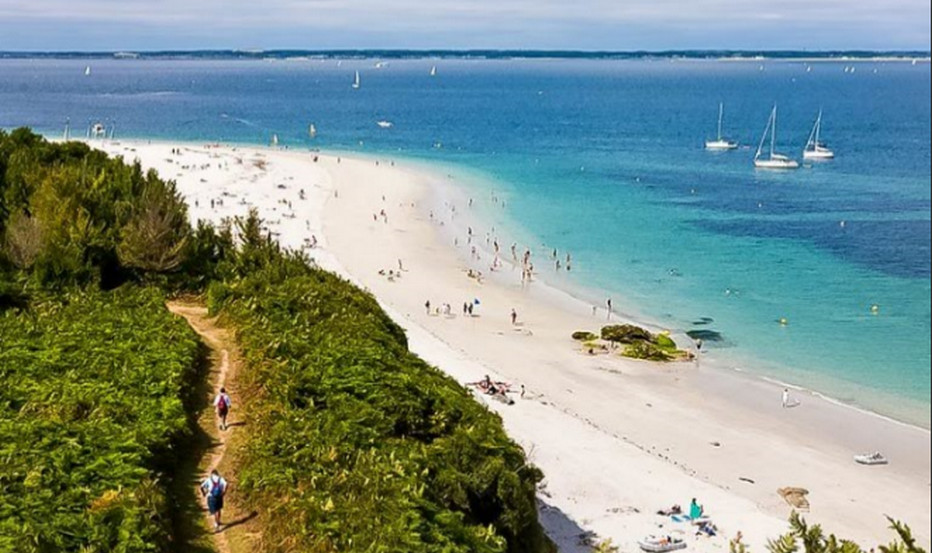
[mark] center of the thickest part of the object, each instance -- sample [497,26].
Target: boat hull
[818,155]
[720,145]
[780,164]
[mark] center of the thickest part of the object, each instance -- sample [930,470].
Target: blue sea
[605,159]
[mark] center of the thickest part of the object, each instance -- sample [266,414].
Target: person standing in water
[222,404]
[214,488]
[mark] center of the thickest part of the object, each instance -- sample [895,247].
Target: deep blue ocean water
[604,159]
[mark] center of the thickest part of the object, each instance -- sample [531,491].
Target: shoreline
[563,295]
[579,395]
[572,294]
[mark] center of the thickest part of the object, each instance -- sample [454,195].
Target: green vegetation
[92,408]
[803,538]
[639,343]
[584,336]
[354,443]
[363,447]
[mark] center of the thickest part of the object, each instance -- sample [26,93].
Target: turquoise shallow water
[604,159]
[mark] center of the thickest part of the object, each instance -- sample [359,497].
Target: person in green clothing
[695,510]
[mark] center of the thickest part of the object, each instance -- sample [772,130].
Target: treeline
[70,215]
[356,445]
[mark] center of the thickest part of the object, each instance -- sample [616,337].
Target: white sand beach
[617,439]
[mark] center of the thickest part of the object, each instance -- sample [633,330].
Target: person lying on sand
[674,510]
[498,390]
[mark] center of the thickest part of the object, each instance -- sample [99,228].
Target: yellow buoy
[784,321]
[875,309]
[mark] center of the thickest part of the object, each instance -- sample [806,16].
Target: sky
[133,25]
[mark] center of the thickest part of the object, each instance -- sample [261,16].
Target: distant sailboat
[774,160]
[87,71]
[356,82]
[67,135]
[720,143]
[312,131]
[385,124]
[814,148]
[433,71]
[274,141]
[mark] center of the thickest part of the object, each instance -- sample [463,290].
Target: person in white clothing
[786,398]
[223,403]
[214,488]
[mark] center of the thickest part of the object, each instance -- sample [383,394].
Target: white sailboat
[356,82]
[385,124]
[274,141]
[312,131]
[773,160]
[433,71]
[815,149]
[87,70]
[67,135]
[720,143]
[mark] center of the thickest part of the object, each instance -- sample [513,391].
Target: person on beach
[223,403]
[514,317]
[427,307]
[695,510]
[608,304]
[214,488]
[786,398]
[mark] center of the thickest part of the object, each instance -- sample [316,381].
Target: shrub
[584,336]
[91,408]
[364,447]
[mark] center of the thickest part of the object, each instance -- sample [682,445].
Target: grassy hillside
[92,408]
[359,446]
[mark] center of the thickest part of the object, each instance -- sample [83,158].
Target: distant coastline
[259,54]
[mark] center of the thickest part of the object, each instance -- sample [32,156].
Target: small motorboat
[653,544]
[871,460]
[385,124]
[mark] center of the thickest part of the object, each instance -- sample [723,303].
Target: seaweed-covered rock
[626,334]
[647,351]
[584,336]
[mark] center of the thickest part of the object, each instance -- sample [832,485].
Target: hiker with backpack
[223,403]
[214,488]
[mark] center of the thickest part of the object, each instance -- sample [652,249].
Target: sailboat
[433,71]
[274,141]
[87,71]
[67,136]
[356,81]
[814,148]
[312,131]
[773,160]
[720,143]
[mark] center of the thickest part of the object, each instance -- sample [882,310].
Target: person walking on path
[214,488]
[514,317]
[223,403]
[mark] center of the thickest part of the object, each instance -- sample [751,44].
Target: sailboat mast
[818,129]
[721,113]
[773,132]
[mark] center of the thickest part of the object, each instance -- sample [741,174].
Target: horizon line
[258,53]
